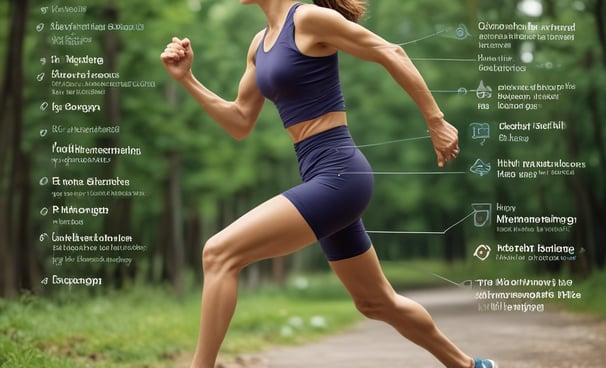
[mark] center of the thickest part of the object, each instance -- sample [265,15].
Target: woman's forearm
[401,68]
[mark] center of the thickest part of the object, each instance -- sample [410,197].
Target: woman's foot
[484,363]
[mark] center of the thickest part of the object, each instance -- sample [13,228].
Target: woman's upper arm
[329,28]
[249,99]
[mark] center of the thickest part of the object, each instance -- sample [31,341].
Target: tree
[18,260]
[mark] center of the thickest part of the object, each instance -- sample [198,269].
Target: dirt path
[552,339]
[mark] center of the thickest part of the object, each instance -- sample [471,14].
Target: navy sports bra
[302,87]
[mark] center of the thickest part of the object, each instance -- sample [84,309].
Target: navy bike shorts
[337,187]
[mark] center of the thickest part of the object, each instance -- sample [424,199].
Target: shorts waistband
[332,138]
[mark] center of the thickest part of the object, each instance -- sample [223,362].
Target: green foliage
[112,331]
[221,178]
[144,326]
[593,299]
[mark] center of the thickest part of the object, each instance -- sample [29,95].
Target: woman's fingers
[176,50]
[447,154]
[173,52]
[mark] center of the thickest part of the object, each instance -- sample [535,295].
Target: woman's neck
[275,12]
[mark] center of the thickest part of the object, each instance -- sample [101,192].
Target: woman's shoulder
[314,17]
[254,45]
[256,40]
[258,37]
[312,11]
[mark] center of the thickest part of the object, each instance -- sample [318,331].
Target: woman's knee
[396,310]
[216,256]
[375,308]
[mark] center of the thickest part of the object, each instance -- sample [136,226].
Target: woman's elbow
[239,136]
[391,54]
[242,131]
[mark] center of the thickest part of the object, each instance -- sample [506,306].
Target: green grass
[150,327]
[593,297]
[140,325]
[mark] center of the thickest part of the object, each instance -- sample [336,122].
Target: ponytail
[352,10]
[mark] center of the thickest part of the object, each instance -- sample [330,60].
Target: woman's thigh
[273,228]
[363,277]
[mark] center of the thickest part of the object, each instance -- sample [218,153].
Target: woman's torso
[300,79]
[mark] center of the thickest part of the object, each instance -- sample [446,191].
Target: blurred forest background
[196,179]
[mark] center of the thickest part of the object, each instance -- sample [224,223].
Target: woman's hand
[177,58]
[445,139]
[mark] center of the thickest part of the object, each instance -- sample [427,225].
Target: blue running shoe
[484,363]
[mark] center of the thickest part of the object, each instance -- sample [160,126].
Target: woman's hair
[353,10]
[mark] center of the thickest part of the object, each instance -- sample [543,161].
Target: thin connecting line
[388,142]
[445,279]
[397,172]
[443,59]
[422,38]
[403,173]
[459,91]
[457,284]
[422,232]
[443,91]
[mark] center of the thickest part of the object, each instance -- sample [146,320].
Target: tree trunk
[600,14]
[193,240]
[278,270]
[173,244]
[14,218]
[597,205]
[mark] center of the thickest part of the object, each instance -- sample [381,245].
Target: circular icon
[482,252]
[461,32]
